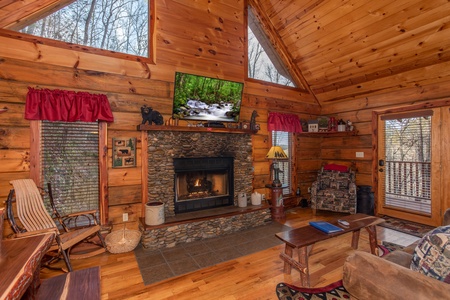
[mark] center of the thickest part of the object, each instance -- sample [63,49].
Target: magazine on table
[325,226]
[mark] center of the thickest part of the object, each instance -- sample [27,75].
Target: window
[264,62]
[70,161]
[116,25]
[284,140]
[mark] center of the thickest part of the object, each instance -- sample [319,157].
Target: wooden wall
[208,38]
[190,37]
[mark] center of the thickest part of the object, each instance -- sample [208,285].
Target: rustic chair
[334,189]
[35,219]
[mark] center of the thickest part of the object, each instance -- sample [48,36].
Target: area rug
[158,265]
[404,226]
[387,247]
[335,290]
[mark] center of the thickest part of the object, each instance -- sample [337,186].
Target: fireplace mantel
[145,127]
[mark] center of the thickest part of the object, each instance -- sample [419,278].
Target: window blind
[70,162]
[284,140]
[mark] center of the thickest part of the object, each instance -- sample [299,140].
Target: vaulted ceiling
[338,49]
[346,49]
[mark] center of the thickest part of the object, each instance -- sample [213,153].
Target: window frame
[92,50]
[269,51]
[35,163]
[296,76]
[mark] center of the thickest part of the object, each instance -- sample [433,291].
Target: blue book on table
[325,226]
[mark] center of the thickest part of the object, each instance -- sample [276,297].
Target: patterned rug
[335,290]
[387,247]
[404,226]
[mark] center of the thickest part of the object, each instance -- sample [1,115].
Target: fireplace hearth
[203,183]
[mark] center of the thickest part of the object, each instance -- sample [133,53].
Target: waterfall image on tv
[207,99]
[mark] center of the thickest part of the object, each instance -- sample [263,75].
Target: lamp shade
[276,152]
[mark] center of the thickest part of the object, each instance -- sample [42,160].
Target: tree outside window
[116,25]
[263,61]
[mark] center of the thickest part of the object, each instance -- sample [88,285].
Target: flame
[197,182]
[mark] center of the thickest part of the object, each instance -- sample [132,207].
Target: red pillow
[334,167]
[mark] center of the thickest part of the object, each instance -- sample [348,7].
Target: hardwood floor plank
[248,277]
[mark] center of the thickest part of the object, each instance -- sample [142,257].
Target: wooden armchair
[35,219]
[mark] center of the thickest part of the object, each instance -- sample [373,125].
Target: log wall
[190,37]
[206,38]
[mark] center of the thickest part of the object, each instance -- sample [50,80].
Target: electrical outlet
[125,217]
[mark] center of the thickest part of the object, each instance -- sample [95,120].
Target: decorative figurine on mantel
[253,125]
[151,116]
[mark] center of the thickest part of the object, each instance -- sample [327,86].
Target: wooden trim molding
[144,171]
[144,127]
[103,172]
[35,151]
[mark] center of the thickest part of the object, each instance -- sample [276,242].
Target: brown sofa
[367,276]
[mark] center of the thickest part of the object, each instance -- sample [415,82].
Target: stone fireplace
[167,150]
[228,172]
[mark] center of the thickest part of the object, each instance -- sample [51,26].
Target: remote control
[343,222]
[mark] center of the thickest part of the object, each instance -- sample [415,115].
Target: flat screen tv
[200,98]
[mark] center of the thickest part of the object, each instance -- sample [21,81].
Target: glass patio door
[408,165]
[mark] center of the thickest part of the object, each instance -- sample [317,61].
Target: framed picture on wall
[123,152]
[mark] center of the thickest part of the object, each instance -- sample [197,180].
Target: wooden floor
[250,277]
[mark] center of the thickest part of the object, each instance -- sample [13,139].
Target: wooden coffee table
[302,239]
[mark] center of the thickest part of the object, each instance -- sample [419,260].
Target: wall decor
[313,126]
[151,116]
[124,152]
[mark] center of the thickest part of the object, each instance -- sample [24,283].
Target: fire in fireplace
[202,183]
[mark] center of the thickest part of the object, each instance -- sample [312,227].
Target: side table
[277,211]
[21,261]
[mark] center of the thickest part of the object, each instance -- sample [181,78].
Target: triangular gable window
[116,25]
[264,62]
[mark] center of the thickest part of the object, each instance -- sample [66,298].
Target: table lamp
[276,153]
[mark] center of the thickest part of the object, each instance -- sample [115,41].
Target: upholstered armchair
[334,190]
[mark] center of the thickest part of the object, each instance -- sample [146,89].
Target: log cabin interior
[362,61]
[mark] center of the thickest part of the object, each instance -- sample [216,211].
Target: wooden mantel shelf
[145,127]
[329,134]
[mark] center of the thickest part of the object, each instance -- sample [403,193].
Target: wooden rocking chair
[35,220]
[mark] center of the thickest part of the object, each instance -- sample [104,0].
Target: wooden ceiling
[346,49]
[340,49]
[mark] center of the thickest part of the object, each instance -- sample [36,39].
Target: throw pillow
[432,254]
[335,167]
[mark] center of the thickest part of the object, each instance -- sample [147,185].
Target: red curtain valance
[283,122]
[67,106]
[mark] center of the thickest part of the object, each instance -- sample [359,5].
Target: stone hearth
[189,227]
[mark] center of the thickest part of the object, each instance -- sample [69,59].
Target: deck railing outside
[408,185]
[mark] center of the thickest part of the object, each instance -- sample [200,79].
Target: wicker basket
[122,241]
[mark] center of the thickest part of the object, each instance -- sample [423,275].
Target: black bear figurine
[151,116]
